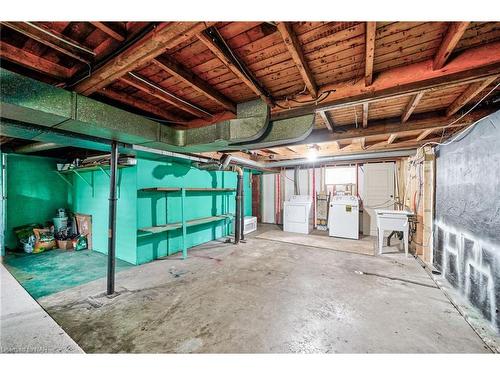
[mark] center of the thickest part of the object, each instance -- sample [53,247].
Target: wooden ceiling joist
[53,40]
[34,62]
[293,46]
[371,29]
[365,115]
[327,120]
[109,30]
[425,134]
[154,90]
[175,69]
[450,40]
[163,37]
[385,128]
[392,138]
[237,71]
[470,64]
[470,93]
[412,104]
[140,104]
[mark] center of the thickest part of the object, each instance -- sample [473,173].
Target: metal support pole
[112,219]
[237,216]
[183,221]
[242,211]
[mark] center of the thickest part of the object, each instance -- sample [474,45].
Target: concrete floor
[24,326]
[56,270]
[266,296]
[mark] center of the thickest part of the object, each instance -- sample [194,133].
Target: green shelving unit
[184,224]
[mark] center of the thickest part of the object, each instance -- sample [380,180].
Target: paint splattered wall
[467,224]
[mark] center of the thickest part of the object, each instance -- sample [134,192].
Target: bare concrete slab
[267,297]
[365,245]
[25,326]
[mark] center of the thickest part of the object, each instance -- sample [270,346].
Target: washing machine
[343,217]
[297,214]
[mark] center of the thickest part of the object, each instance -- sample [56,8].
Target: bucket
[60,223]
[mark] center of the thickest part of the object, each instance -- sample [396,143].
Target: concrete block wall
[467,221]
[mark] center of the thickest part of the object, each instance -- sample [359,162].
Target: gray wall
[467,225]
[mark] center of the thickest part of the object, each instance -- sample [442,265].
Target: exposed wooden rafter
[227,61]
[365,114]
[111,31]
[34,62]
[371,30]
[327,120]
[293,46]
[412,104]
[165,36]
[385,128]
[469,94]
[140,104]
[450,40]
[425,134]
[472,64]
[53,40]
[162,95]
[392,138]
[175,69]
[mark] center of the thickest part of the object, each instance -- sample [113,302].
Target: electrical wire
[466,130]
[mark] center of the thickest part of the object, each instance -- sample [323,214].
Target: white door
[267,198]
[378,192]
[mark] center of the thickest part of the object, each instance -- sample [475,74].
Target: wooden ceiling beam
[140,104]
[425,134]
[34,62]
[392,138]
[470,93]
[385,128]
[53,40]
[150,89]
[471,64]
[365,115]
[237,71]
[371,30]
[327,120]
[449,42]
[164,37]
[412,104]
[175,69]
[110,31]
[293,46]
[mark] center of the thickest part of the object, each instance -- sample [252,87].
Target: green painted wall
[93,200]
[34,192]
[154,208]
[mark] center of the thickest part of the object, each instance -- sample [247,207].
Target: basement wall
[467,221]
[34,193]
[154,208]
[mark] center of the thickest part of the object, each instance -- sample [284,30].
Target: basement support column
[242,210]
[237,216]
[112,219]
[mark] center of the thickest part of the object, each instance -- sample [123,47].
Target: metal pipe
[3,167]
[112,219]
[237,216]
[161,89]
[68,42]
[36,147]
[242,211]
[328,159]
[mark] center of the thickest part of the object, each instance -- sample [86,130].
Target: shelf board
[189,223]
[169,189]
